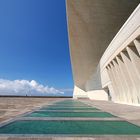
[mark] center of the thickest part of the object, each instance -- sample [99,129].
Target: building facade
[104,40]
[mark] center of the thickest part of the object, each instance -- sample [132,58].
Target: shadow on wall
[94,83]
[106,89]
[94,86]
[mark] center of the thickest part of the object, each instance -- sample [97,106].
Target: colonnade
[124,73]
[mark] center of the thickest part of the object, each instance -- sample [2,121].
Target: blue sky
[34,42]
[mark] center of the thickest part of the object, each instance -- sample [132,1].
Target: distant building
[104,38]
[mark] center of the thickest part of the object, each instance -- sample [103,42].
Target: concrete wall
[91,30]
[92,25]
[93,95]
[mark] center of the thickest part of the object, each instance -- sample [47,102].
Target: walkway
[72,119]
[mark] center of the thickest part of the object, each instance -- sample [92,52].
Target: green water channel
[69,105]
[68,108]
[71,127]
[70,114]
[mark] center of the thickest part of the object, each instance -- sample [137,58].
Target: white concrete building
[104,37]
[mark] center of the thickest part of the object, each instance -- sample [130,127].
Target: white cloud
[23,87]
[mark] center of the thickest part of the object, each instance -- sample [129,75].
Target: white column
[118,91]
[119,80]
[131,72]
[127,83]
[113,84]
[135,57]
[137,44]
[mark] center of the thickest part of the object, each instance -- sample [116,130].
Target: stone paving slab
[70,114]
[74,138]
[127,112]
[69,119]
[14,106]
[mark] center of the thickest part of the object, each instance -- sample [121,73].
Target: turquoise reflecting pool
[68,108]
[70,114]
[71,127]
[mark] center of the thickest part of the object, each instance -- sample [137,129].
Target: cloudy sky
[34,51]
